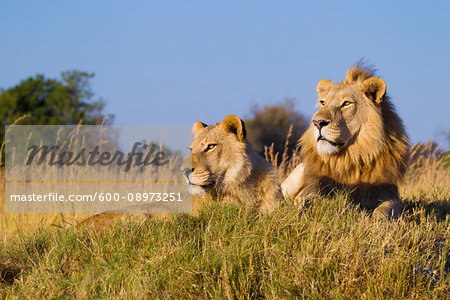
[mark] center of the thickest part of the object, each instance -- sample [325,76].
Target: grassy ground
[327,249]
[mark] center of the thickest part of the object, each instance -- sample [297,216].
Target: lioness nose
[320,123]
[187,171]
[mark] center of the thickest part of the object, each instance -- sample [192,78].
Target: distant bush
[45,101]
[271,125]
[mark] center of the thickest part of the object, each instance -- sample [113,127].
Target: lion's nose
[187,170]
[320,123]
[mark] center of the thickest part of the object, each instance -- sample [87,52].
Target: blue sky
[174,62]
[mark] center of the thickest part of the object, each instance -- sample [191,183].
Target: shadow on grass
[8,274]
[439,209]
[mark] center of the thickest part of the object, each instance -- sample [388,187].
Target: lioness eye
[210,147]
[322,102]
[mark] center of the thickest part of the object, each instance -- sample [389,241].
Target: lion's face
[217,154]
[344,110]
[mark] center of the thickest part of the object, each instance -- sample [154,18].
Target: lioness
[356,142]
[224,165]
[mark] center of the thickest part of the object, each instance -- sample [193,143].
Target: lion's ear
[197,126]
[374,88]
[324,86]
[233,124]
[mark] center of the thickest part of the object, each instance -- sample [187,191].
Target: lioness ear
[197,126]
[324,86]
[233,124]
[374,88]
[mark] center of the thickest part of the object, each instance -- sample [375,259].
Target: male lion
[224,165]
[356,142]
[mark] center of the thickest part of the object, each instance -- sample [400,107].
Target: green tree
[270,124]
[51,101]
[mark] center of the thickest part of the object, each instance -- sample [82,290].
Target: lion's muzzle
[196,186]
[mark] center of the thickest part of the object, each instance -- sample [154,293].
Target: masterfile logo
[96,169]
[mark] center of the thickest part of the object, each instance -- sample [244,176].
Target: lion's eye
[346,103]
[210,147]
[322,103]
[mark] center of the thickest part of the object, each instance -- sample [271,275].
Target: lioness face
[213,154]
[343,111]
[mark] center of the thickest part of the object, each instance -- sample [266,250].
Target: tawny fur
[234,170]
[230,170]
[373,159]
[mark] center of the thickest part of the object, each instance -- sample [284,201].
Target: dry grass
[12,225]
[428,170]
